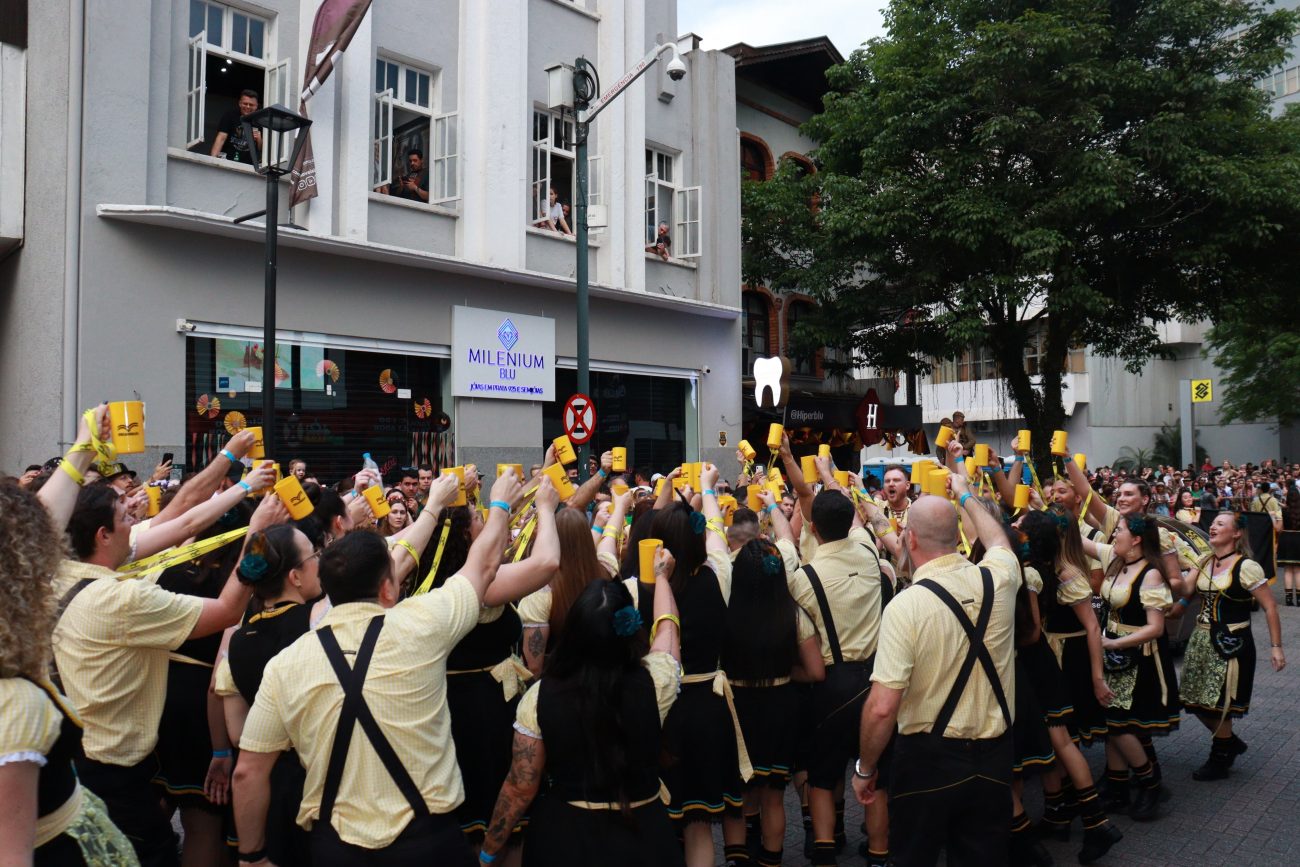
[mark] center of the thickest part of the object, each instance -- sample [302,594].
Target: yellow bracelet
[610,531]
[654,627]
[885,532]
[81,447]
[73,472]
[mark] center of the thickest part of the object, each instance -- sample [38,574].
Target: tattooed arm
[535,638]
[517,792]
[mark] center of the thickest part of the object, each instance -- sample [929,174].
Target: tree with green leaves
[1256,343]
[1070,171]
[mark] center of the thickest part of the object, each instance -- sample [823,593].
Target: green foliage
[1257,345]
[1134,460]
[1168,447]
[994,166]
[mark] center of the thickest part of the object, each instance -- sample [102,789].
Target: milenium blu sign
[500,354]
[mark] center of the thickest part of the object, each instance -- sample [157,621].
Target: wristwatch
[857,771]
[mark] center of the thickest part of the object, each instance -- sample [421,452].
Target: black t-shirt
[236,147]
[398,189]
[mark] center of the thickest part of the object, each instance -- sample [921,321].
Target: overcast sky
[848,23]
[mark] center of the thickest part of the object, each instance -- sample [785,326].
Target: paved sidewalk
[1251,818]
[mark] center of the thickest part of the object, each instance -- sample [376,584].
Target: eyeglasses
[305,560]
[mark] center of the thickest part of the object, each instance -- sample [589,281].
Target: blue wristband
[1186,603]
[601,472]
[709,492]
[768,509]
[221,754]
[499,504]
[228,455]
[246,486]
[961,501]
[485,858]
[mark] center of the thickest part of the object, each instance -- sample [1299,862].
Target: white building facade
[130,277]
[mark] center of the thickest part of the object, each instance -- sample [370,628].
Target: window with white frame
[231,71]
[668,204]
[416,148]
[552,168]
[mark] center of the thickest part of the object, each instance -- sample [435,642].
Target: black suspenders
[837,655]
[355,710]
[976,651]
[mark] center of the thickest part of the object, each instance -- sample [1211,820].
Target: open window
[230,72]
[552,168]
[416,150]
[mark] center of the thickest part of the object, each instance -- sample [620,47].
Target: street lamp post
[579,88]
[268,134]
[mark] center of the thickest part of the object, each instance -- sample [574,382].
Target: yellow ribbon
[510,672]
[1056,641]
[105,451]
[427,583]
[1033,476]
[522,541]
[722,687]
[172,556]
[664,797]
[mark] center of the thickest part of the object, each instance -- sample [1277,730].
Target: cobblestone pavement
[1251,818]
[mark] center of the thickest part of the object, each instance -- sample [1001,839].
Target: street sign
[579,419]
[1202,390]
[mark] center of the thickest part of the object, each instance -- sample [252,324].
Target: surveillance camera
[707,370]
[676,69]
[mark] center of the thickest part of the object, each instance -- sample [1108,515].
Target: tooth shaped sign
[771,381]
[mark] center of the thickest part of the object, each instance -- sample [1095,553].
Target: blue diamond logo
[508,334]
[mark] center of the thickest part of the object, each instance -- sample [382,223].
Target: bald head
[932,525]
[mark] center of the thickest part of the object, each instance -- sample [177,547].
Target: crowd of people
[545,668]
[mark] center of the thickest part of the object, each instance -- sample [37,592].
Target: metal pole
[1187,421]
[268,317]
[580,230]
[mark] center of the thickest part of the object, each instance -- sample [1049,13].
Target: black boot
[1216,766]
[1237,747]
[1116,799]
[1028,852]
[1097,842]
[1057,817]
[1146,803]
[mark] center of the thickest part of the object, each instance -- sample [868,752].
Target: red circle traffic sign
[579,419]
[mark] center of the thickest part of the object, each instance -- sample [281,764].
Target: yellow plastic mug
[752,499]
[1081,460]
[808,463]
[774,434]
[290,492]
[919,469]
[620,459]
[842,478]
[261,463]
[375,497]
[518,468]
[937,483]
[727,504]
[983,455]
[943,437]
[459,473]
[747,450]
[823,451]
[1022,497]
[1060,443]
[559,478]
[648,551]
[1023,441]
[155,500]
[618,489]
[127,420]
[258,448]
[564,452]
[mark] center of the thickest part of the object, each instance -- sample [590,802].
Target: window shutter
[687,237]
[382,172]
[196,89]
[446,158]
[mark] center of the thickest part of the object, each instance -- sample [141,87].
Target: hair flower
[698,523]
[627,620]
[253,566]
[772,564]
[1137,524]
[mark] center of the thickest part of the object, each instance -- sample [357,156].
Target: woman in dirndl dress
[770,646]
[1288,543]
[1139,666]
[1070,627]
[591,726]
[1219,665]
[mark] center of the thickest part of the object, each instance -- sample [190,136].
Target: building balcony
[989,399]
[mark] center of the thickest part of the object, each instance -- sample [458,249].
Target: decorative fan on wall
[209,407]
[386,381]
[235,422]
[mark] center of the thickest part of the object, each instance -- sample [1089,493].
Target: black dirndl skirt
[287,843]
[1031,742]
[769,717]
[482,727]
[702,768]
[1288,548]
[561,835]
[1152,712]
[1087,716]
[184,745]
[1205,673]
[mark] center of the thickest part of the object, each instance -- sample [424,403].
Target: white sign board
[504,355]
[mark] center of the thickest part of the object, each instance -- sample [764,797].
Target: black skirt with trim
[701,765]
[561,835]
[482,727]
[1032,743]
[769,717]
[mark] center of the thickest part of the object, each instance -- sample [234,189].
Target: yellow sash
[722,687]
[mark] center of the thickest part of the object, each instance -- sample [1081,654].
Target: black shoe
[1146,804]
[1028,852]
[1046,827]
[1116,799]
[1215,768]
[1237,746]
[1097,842]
